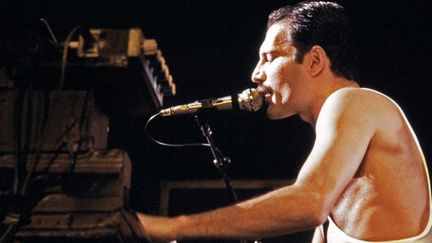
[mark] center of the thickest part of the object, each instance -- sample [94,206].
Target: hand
[157,229]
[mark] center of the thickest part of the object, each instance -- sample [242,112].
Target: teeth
[261,89]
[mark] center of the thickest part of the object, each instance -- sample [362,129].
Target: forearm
[279,212]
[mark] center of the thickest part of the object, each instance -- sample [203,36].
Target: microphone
[248,100]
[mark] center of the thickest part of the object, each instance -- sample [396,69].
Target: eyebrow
[274,49]
[271,51]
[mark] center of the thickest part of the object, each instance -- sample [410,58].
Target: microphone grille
[250,100]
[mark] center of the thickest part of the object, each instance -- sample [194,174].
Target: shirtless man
[366,174]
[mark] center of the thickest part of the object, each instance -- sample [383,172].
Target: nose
[258,75]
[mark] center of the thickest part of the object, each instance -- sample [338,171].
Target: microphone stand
[220,161]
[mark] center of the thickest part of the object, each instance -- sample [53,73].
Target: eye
[269,57]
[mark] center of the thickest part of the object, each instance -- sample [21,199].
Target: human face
[277,74]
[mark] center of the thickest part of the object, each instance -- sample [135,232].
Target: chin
[276,114]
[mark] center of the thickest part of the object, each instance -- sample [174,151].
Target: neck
[310,114]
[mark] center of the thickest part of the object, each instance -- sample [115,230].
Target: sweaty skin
[365,170]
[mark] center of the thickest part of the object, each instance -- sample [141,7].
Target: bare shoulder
[360,107]
[361,100]
[361,96]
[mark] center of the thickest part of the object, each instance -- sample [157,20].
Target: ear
[318,60]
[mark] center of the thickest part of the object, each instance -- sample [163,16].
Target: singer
[365,179]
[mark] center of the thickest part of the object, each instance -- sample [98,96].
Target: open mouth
[267,98]
[266,92]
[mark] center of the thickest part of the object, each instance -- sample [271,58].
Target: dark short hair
[319,23]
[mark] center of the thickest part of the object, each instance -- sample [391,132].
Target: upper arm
[343,131]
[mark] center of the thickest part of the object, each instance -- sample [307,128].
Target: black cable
[40,143]
[28,135]
[84,114]
[8,233]
[181,145]
[65,54]
[47,106]
[17,211]
[15,217]
[18,108]
[41,130]
[73,158]
[50,31]
[73,155]
[53,158]
[36,159]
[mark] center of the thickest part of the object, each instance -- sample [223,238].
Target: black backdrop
[211,48]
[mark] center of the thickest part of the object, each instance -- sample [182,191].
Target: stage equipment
[90,203]
[121,48]
[61,180]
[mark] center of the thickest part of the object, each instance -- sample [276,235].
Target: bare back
[388,196]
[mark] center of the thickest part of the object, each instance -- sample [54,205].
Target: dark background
[211,49]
